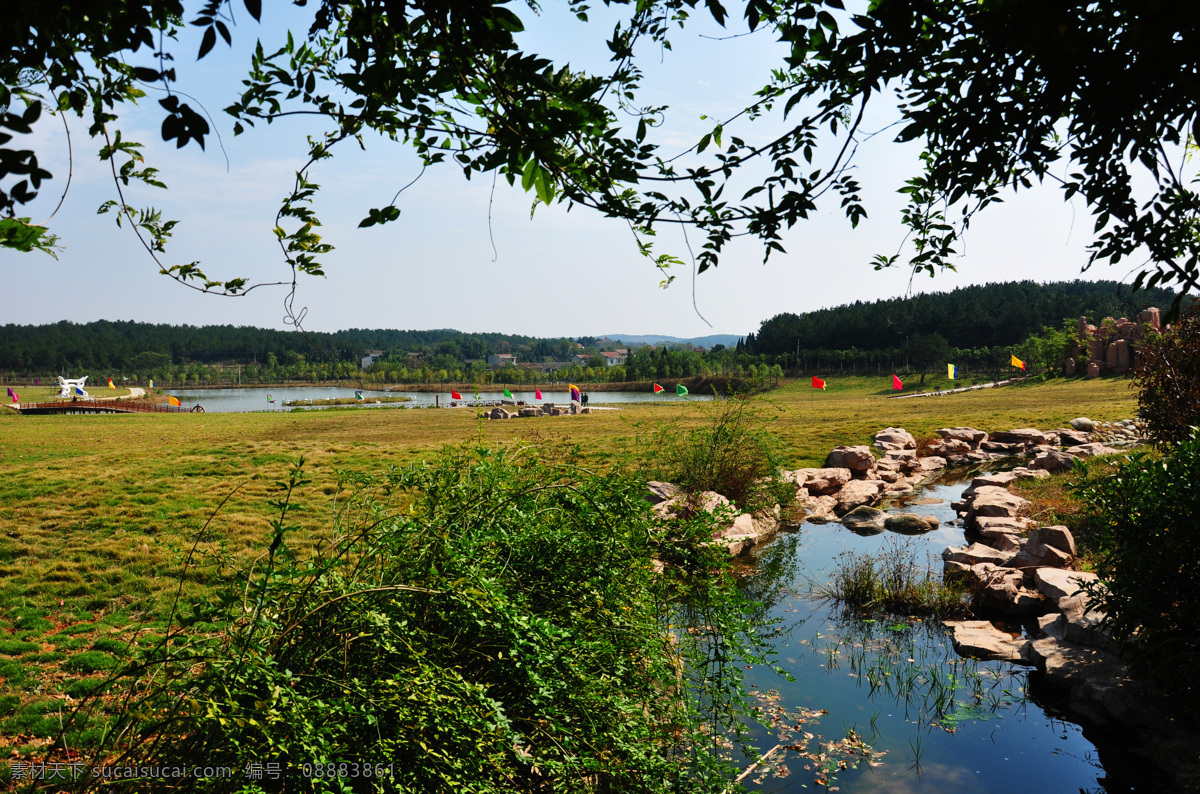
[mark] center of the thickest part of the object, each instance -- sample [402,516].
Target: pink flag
[537,394]
[896,384]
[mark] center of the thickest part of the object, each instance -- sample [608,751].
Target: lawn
[97,511]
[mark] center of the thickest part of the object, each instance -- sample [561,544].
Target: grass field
[98,511]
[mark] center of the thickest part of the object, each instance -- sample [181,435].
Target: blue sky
[556,274]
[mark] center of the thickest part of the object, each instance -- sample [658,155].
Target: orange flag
[1016,362]
[173,401]
[896,382]
[818,383]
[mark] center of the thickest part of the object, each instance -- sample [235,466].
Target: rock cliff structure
[1110,347]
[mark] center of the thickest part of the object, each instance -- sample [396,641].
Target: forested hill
[969,317]
[104,343]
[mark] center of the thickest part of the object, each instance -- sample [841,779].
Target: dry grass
[97,511]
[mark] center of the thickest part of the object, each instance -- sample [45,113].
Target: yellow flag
[1016,362]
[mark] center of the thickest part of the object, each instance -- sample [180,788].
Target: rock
[999,479]
[949,447]
[855,493]
[1092,448]
[1069,366]
[991,527]
[1082,424]
[660,491]
[979,456]
[1150,316]
[865,520]
[968,434]
[1121,346]
[1100,685]
[908,524]
[931,463]
[1058,585]
[1002,448]
[529,411]
[498,413]
[686,505]
[1053,460]
[1039,557]
[857,459]
[819,481]
[1020,435]
[980,639]
[1030,474]
[1058,537]
[894,438]
[1005,592]
[820,509]
[1005,541]
[1093,369]
[997,502]
[975,554]
[1072,438]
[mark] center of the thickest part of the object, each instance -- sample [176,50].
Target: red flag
[896,383]
[455,395]
[657,388]
[818,383]
[537,394]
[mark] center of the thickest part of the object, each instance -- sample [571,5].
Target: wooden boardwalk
[99,407]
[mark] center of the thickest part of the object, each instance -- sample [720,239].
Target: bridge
[100,407]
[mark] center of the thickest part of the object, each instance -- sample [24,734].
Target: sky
[556,273]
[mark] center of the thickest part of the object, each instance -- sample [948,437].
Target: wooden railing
[102,406]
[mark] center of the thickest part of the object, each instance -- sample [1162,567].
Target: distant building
[613,358]
[502,360]
[370,358]
[581,359]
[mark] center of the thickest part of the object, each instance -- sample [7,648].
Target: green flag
[680,389]
[508,394]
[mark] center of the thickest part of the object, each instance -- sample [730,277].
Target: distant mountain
[706,342]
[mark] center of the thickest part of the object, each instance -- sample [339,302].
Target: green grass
[98,512]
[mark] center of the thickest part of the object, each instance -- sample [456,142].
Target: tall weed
[490,621]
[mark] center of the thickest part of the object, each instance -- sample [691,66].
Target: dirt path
[991,385]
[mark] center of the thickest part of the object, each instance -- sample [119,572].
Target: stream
[934,721]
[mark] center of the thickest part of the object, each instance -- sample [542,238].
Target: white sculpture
[72,387]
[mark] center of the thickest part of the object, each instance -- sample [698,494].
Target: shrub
[731,452]
[1146,531]
[1168,378]
[491,621]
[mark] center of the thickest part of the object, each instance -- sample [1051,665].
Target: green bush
[492,621]
[89,662]
[1147,533]
[1168,378]
[730,452]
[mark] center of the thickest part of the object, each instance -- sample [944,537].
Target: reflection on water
[884,703]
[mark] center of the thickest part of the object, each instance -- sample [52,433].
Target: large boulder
[968,434]
[857,459]
[990,526]
[910,523]
[857,492]
[1093,448]
[1053,460]
[1081,423]
[820,509]
[950,447]
[1005,592]
[864,520]
[931,463]
[980,639]
[819,481]
[975,554]
[1072,438]
[529,411]
[1058,537]
[686,505]
[660,491]
[894,438]
[998,479]
[996,502]
[1021,435]
[1002,447]
[498,413]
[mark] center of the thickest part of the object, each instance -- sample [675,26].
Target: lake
[255,398]
[935,722]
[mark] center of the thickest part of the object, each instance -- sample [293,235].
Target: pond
[257,399]
[934,721]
